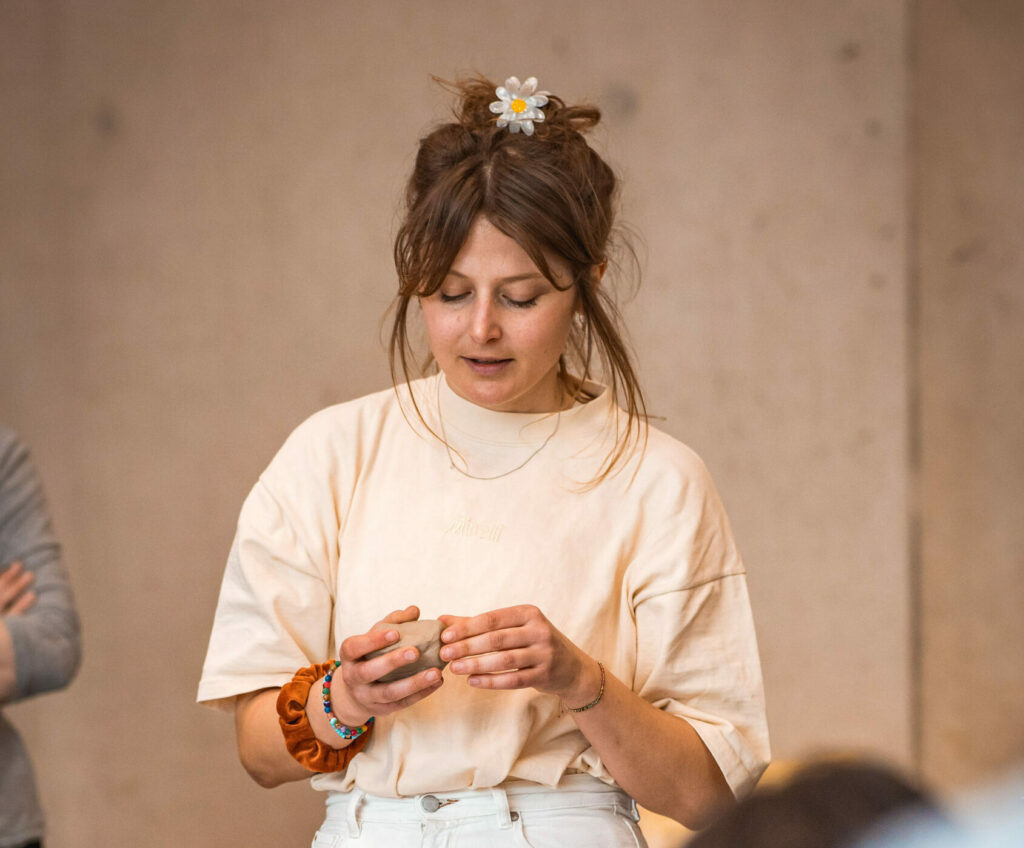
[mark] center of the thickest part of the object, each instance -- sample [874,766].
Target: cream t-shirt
[361,512]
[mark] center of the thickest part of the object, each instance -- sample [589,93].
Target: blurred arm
[40,647]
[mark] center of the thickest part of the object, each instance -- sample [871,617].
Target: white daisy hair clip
[520,104]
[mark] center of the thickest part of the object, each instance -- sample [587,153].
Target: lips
[486,366]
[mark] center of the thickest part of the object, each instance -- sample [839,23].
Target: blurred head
[553,197]
[826,805]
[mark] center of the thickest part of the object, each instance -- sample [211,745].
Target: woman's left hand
[515,648]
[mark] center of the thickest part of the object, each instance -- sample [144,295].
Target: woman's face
[497,325]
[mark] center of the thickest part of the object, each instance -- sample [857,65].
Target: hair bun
[476,94]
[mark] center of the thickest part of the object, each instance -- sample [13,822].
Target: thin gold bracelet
[596,700]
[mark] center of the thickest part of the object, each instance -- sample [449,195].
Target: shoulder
[345,419]
[678,503]
[361,417]
[667,452]
[336,437]
[685,539]
[667,470]
[658,473]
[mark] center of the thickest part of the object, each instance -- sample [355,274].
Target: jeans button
[430,803]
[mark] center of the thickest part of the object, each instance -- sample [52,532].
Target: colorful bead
[343,730]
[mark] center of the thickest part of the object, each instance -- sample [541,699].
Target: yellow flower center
[518,105]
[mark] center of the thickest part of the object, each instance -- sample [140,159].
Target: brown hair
[551,193]
[828,804]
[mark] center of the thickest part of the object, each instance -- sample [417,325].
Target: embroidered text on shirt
[475,529]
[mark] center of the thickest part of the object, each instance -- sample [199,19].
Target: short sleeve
[274,611]
[697,654]
[698,660]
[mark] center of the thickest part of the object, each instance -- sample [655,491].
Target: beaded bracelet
[299,738]
[596,700]
[343,730]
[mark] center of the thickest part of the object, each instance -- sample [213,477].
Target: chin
[497,401]
[491,395]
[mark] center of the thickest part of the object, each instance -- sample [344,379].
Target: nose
[484,325]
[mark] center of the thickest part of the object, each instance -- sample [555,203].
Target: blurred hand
[516,648]
[16,595]
[355,693]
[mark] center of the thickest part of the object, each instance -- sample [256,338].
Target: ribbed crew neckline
[520,429]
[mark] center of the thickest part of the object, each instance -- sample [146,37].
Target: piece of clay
[423,635]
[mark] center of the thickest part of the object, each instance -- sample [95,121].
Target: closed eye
[453,298]
[521,304]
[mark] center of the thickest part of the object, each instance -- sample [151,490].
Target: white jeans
[581,812]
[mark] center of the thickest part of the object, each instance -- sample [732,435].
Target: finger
[449,620]
[452,626]
[399,691]
[521,679]
[476,625]
[410,613]
[463,627]
[496,640]
[11,571]
[8,580]
[379,636]
[385,698]
[23,604]
[418,695]
[371,671]
[356,647]
[495,663]
[15,586]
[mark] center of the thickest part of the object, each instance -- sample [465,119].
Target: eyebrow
[532,275]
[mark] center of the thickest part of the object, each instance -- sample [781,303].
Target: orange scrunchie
[299,738]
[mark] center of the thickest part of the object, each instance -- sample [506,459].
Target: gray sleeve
[46,638]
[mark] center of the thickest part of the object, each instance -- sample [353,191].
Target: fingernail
[392,635]
[448,635]
[446,653]
[433,675]
[410,655]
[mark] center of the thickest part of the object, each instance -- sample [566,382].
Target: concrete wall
[197,202]
[969,271]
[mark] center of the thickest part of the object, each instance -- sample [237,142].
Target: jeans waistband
[505,802]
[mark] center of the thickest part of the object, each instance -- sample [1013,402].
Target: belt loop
[355,798]
[501,808]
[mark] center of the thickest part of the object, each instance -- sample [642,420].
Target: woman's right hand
[355,693]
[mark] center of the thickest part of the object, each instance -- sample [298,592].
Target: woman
[595,610]
[40,638]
